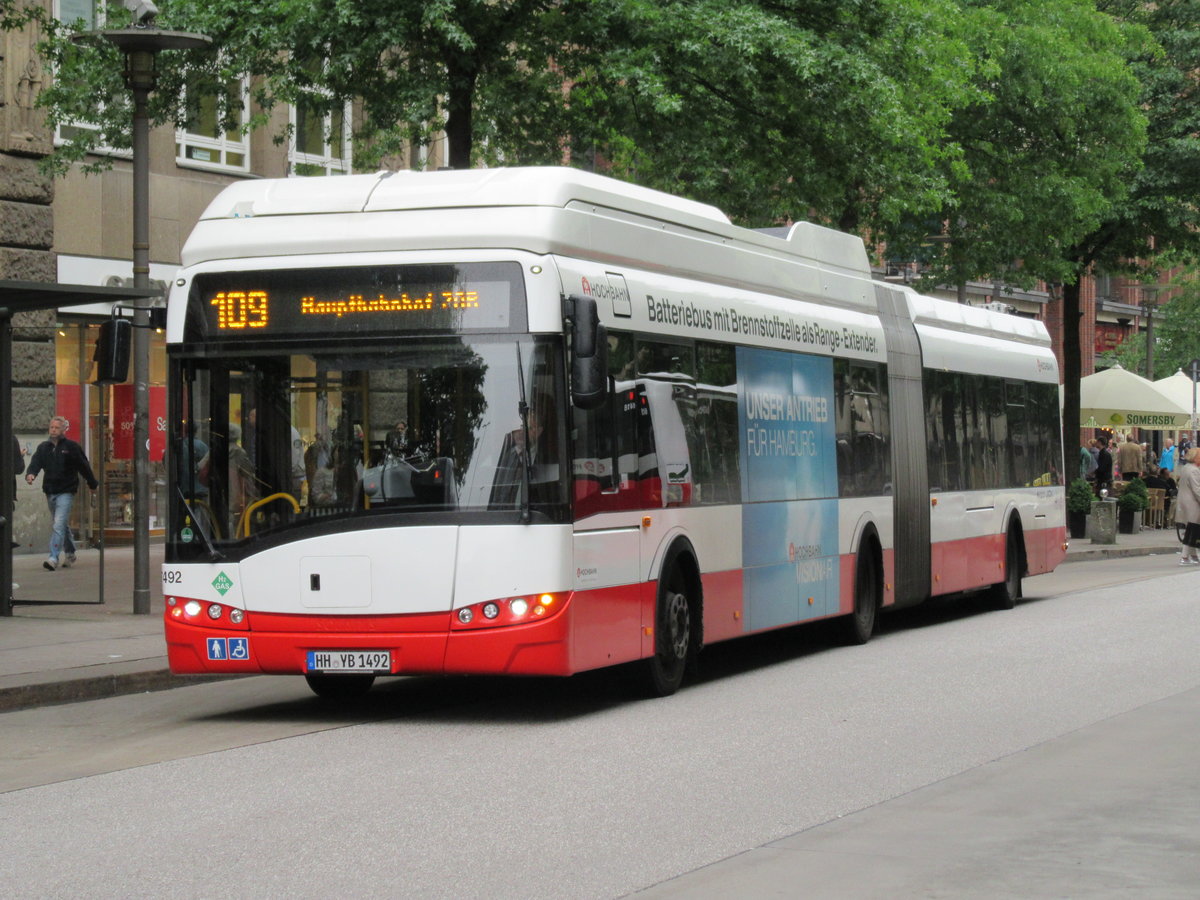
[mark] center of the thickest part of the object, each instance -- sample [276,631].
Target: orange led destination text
[356,303]
[241,309]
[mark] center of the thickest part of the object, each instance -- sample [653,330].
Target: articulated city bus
[538,421]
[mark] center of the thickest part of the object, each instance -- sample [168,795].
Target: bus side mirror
[589,353]
[112,351]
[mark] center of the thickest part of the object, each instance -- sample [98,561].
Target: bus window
[1018,453]
[667,378]
[863,432]
[713,428]
[615,464]
[946,429]
[615,460]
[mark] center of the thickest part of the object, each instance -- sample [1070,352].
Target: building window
[213,137]
[320,143]
[89,16]
[320,139]
[69,11]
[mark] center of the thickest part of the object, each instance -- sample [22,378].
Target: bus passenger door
[615,479]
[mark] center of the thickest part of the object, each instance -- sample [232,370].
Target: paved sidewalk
[62,645]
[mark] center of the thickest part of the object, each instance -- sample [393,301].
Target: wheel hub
[679,624]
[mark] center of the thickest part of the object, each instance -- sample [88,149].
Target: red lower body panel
[975,563]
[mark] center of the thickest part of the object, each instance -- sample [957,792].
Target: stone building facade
[27,251]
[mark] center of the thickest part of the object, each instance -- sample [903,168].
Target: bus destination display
[378,299]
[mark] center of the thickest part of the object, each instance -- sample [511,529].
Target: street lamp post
[141,43]
[1149,306]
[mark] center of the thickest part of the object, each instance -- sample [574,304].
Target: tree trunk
[460,108]
[1071,366]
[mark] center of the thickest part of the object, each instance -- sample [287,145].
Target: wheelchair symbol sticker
[228,648]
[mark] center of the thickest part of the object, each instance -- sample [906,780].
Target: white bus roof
[458,188]
[541,210]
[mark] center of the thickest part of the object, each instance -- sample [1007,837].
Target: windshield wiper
[214,554]
[527,466]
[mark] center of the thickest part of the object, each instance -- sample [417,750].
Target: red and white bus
[537,421]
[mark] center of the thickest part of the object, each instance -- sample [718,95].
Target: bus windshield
[267,442]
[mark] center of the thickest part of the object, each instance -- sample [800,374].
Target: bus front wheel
[672,636]
[340,687]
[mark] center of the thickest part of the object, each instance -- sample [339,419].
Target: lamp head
[143,11]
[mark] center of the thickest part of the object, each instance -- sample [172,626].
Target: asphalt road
[544,788]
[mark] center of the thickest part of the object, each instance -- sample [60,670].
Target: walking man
[63,461]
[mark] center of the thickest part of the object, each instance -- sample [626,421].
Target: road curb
[97,687]
[1114,552]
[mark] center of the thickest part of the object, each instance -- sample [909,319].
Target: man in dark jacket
[63,461]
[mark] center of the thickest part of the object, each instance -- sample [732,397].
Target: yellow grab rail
[244,524]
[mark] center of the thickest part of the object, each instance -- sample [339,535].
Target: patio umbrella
[1118,398]
[1179,388]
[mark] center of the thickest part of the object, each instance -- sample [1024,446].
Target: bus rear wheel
[1007,592]
[860,624]
[672,636]
[340,687]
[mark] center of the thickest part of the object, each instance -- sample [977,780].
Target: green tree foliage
[1160,212]
[774,111]
[1048,144]
[487,74]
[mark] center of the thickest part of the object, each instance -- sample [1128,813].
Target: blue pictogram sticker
[239,648]
[218,648]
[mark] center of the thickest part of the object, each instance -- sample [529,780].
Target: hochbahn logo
[222,583]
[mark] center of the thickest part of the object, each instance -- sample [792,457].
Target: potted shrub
[1079,504]
[1132,501]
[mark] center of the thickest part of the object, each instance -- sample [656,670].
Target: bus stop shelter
[19,297]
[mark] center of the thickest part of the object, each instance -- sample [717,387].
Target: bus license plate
[349,661]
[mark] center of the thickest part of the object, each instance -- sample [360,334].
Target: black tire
[858,627]
[673,635]
[1007,592]
[340,687]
